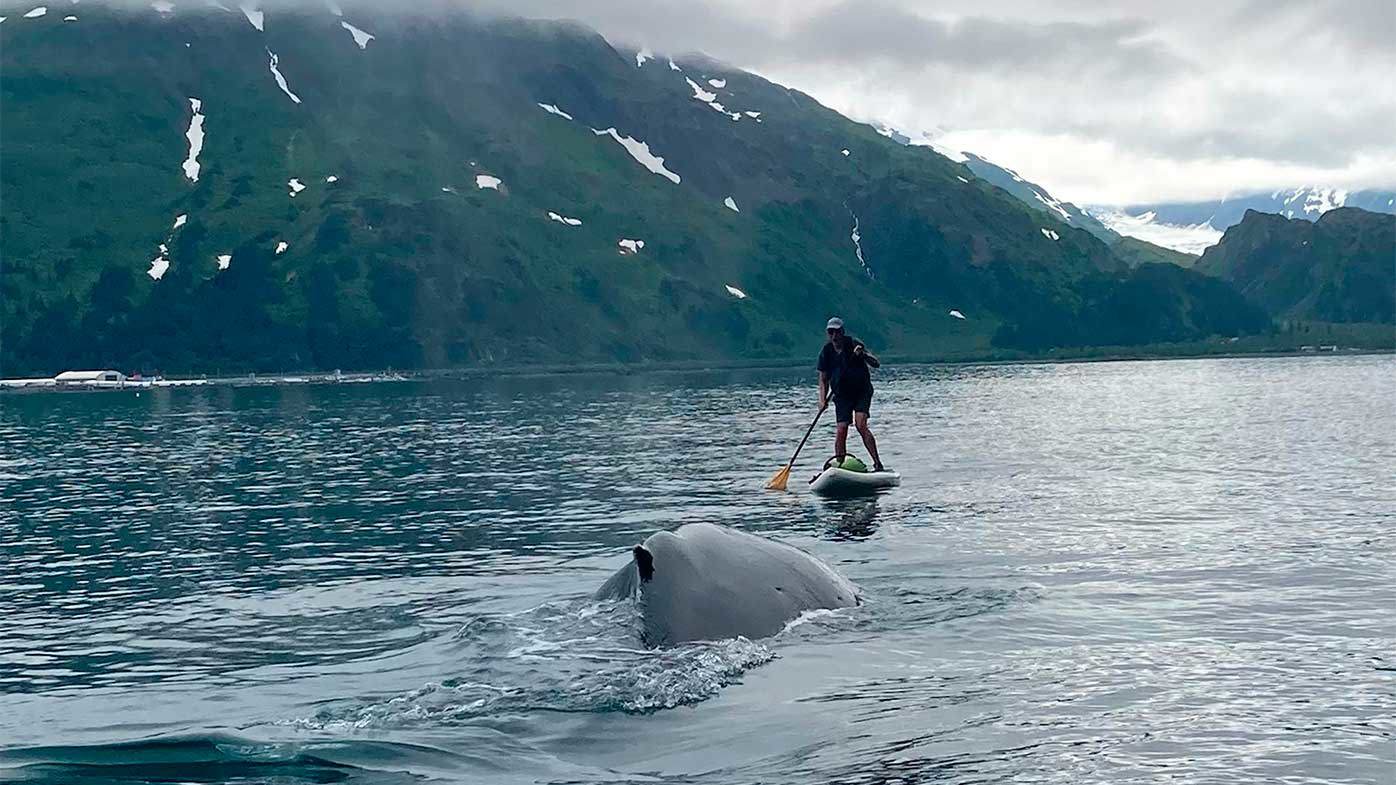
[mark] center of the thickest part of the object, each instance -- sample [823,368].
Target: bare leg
[841,440]
[860,421]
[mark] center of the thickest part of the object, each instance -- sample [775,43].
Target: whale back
[709,582]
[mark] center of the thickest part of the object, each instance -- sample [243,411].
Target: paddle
[778,480]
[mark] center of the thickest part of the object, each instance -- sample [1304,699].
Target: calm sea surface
[1108,573]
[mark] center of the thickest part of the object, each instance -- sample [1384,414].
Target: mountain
[1037,197]
[191,188]
[1339,268]
[1132,252]
[1193,226]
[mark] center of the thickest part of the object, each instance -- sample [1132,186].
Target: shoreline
[290,379]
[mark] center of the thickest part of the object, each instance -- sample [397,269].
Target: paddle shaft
[815,422]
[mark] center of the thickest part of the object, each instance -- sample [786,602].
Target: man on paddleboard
[843,368]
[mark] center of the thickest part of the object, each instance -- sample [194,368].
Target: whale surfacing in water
[708,582]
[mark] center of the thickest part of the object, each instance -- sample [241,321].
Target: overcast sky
[1101,103]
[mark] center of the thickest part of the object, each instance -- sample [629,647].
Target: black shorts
[845,404]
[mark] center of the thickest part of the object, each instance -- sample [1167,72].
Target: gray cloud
[1100,102]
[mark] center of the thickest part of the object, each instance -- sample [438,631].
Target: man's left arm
[868,357]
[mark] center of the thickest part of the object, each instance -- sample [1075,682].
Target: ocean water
[1115,572]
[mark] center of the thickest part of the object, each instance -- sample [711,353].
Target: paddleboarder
[844,365]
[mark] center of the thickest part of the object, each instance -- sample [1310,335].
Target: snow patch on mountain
[640,151]
[699,94]
[1192,239]
[281,247]
[36,12]
[857,238]
[956,314]
[280,80]
[643,55]
[562,219]
[718,83]
[360,37]
[961,179]
[845,152]
[224,260]
[731,204]
[1050,235]
[752,114]
[628,247]
[160,264]
[195,135]
[1053,205]
[254,16]
[483,181]
[735,292]
[1315,201]
[552,109]
[180,220]
[70,18]
[295,185]
[334,8]
[674,66]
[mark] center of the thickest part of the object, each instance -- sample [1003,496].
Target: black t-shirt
[847,372]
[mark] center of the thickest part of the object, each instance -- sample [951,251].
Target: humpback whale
[708,582]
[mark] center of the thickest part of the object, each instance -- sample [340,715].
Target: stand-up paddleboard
[834,481]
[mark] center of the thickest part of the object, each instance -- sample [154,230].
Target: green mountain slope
[395,255]
[1134,252]
[1340,268]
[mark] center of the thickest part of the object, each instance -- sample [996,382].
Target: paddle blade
[778,480]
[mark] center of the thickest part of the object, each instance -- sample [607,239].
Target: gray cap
[834,324]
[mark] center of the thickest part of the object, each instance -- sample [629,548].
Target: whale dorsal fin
[644,560]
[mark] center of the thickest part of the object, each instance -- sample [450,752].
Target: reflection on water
[1109,572]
